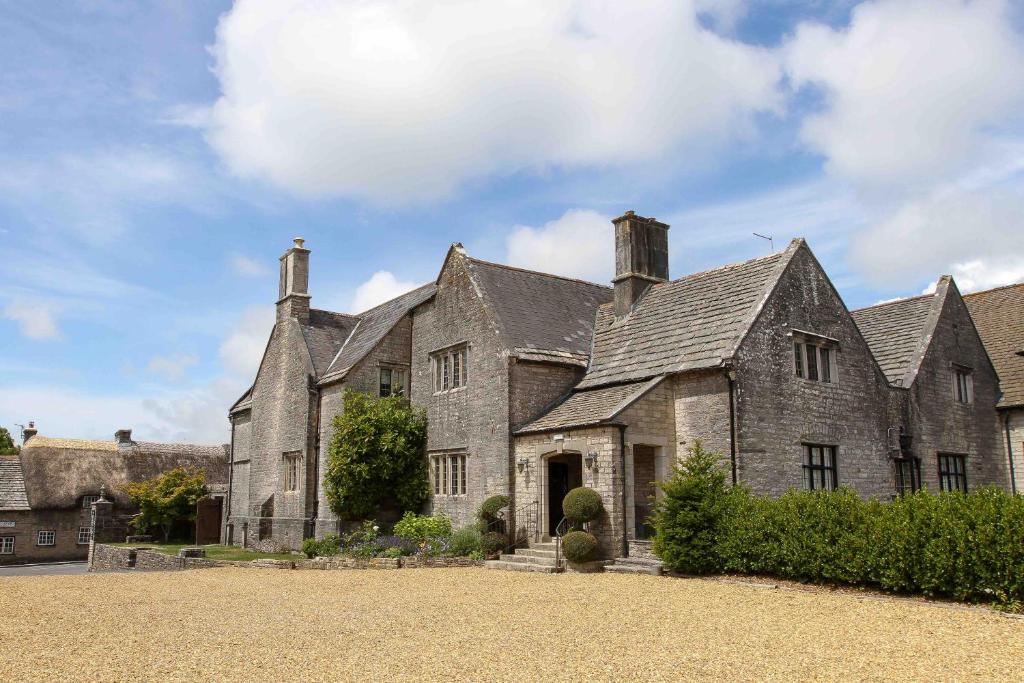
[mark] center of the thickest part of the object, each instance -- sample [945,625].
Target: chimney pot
[299,242]
[123,436]
[28,432]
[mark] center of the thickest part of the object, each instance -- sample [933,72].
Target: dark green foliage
[965,547]
[493,543]
[166,499]
[376,456]
[464,542]
[488,512]
[421,527]
[7,446]
[330,544]
[582,505]
[579,546]
[687,518]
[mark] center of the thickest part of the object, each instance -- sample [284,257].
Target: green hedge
[967,547]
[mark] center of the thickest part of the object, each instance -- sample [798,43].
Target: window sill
[449,391]
[815,382]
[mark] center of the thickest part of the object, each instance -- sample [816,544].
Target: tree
[7,446]
[167,499]
[688,517]
[376,457]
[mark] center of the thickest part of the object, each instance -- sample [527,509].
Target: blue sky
[157,157]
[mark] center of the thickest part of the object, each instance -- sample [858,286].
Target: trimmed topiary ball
[492,506]
[582,505]
[579,546]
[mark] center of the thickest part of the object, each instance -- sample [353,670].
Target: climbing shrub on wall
[376,457]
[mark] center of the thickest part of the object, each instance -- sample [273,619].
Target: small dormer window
[87,501]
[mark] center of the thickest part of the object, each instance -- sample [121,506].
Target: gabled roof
[540,312]
[13,497]
[999,316]
[372,326]
[590,407]
[325,333]
[694,322]
[897,334]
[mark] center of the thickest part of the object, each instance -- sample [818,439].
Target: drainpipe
[316,461]
[625,523]
[732,423]
[1009,452]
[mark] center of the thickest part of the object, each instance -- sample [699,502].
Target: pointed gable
[537,311]
[694,322]
[13,497]
[998,315]
[324,334]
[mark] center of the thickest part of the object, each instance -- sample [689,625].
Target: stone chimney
[293,292]
[641,258]
[28,432]
[123,437]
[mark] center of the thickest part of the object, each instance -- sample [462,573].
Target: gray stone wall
[536,386]
[473,419]
[394,350]
[701,403]
[777,412]
[1015,416]
[943,425]
[281,423]
[241,431]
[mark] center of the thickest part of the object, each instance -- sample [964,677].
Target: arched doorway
[564,472]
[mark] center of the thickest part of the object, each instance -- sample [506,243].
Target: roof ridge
[360,315]
[734,264]
[537,272]
[337,313]
[993,289]
[893,302]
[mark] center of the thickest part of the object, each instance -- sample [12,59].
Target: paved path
[58,569]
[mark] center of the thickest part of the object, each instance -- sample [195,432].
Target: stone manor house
[534,384]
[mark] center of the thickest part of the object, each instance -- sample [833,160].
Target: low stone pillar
[101,517]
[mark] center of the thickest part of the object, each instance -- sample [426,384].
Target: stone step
[548,545]
[525,559]
[536,552]
[654,570]
[522,567]
[645,561]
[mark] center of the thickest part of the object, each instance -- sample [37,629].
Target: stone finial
[299,242]
[103,492]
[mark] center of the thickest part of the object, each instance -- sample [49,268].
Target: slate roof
[325,334]
[538,311]
[12,485]
[690,323]
[372,326]
[896,333]
[999,316]
[590,407]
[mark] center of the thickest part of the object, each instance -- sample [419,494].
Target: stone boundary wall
[114,558]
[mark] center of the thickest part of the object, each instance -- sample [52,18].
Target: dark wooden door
[558,486]
[208,521]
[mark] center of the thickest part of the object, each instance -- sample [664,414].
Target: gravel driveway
[482,625]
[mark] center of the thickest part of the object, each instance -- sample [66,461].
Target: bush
[967,547]
[421,527]
[687,518]
[464,542]
[330,544]
[582,505]
[488,513]
[493,543]
[579,546]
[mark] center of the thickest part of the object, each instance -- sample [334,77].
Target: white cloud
[382,286]
[912,88]
[172,368]
[580,244]
[976,235]
[35,319]
[402,101]
[247,267]
[242,350]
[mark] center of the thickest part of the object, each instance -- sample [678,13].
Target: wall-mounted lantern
[590,459]
[523,464]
